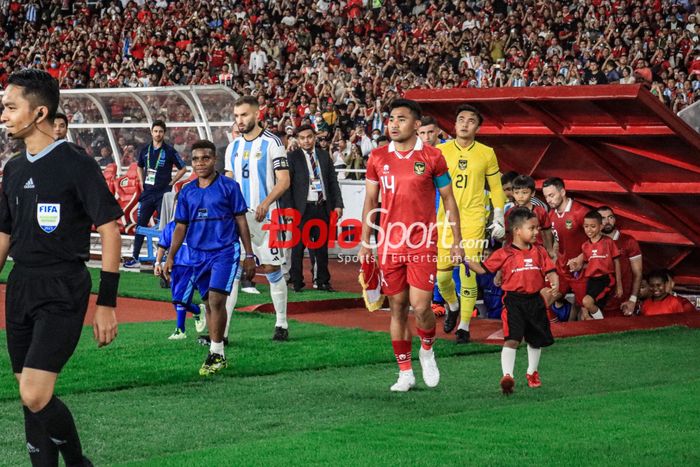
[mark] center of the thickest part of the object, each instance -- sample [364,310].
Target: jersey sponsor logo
[29,185]
[48,215]
[202,213]
[419,168]
[462,164]
[569,224]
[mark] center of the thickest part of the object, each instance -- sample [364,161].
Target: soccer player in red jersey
[630,265]
[602,259]
[524,265]
[407,173]
[661,301]
[567,226]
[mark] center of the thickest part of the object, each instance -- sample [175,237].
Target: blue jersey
[162,161]
[210,213]
[184,256]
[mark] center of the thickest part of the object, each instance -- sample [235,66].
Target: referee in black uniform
[49,200]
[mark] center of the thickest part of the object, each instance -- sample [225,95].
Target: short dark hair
[249,100]
[39,88]
[382,138]
[159,123]
[428,120]
[658,274]
[60,116]
[204,144]
[524,181]
[518,216]
[556,182]
[508,177]
[413,106]
[472,109]
[304,127]
[593,214]
[605,208]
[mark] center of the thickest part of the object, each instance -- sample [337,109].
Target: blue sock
[181,313]
[192,308]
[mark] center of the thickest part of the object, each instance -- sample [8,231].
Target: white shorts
[260,240]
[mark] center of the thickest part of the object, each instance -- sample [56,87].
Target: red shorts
[401,270]
[567,283]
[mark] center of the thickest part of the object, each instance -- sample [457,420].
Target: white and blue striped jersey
[253,164]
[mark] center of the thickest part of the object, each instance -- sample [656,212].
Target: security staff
[155,161]
[49,200]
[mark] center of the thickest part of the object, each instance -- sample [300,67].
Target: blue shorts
[182,284]
[218,271]
[562,313]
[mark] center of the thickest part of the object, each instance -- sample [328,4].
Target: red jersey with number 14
[407,184]
[523,270]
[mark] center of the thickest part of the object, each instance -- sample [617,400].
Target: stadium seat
[182,182]
[127,191]
[110,174]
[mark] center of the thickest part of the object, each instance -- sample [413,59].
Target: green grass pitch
[323,399]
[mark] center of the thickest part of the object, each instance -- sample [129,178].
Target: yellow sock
[467,298]
[446,286]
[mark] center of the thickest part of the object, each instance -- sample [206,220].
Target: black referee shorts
[525,316]
[44,312]
[599,289]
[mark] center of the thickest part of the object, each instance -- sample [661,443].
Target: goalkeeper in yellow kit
[471,165]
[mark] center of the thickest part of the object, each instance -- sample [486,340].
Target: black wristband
[109,283]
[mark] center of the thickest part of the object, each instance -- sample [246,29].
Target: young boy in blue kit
[181,282]
[211,216]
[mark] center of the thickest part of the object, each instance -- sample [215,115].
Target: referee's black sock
[42,451]
[58,423]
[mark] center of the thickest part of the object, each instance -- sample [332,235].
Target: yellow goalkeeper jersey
[470,168]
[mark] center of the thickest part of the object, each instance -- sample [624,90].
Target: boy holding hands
[524,265]
[601,257]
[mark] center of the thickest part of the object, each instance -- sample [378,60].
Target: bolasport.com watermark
[347,235]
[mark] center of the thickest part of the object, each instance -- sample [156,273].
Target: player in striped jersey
[257,160]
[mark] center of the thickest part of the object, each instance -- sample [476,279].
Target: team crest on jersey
[386,168]
[462,164]
[48,215]
[569,224]
[258,155]
[202,213]
[419,168]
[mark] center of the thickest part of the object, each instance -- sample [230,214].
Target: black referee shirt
[49,202]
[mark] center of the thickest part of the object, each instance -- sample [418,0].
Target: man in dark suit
[314,192]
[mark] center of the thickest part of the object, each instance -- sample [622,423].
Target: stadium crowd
[337,65]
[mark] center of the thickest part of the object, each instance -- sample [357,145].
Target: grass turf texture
[323,398]
[147,286]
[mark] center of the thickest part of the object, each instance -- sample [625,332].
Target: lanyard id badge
[150,177]
[316,185]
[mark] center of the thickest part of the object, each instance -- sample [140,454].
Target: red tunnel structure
[613,145]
